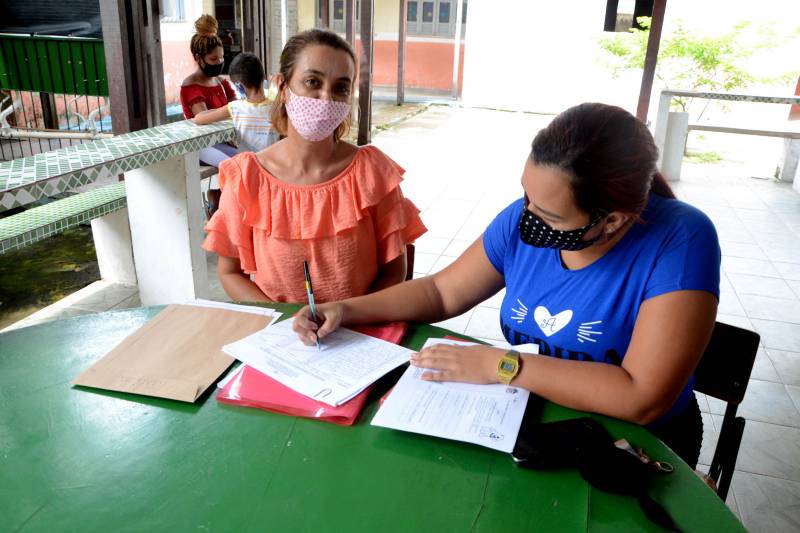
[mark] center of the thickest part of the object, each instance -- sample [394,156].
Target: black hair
[247,69]
[609,154]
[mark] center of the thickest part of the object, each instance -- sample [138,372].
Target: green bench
[155,216]
[39,223]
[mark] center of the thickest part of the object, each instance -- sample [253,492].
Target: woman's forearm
[591,386]
[468,280]
[239,287]
[417,300]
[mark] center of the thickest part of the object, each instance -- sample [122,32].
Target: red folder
[251,388]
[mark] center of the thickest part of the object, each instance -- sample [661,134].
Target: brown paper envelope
[176,355]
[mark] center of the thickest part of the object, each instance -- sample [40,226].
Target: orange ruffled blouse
[346,228]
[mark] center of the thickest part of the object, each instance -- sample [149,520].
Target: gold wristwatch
[509,366]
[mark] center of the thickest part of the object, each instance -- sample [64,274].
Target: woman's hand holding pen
[329,318]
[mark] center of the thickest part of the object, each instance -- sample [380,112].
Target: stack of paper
[248,387]
[489,415]
[345,365]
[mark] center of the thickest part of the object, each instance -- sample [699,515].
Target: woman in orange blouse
[312,196]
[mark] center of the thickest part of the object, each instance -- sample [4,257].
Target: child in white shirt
[250,115]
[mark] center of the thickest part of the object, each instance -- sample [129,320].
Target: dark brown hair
[294,47]
[205,38]
[246,68]
[609,154]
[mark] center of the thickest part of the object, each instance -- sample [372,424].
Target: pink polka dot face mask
[313,118]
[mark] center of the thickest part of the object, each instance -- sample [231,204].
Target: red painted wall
[428,65]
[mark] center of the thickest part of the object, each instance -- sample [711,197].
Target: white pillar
[674,145]
[112,243]
[166,221]
[661,123]
[788,164]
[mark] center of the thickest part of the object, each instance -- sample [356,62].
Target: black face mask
[212,71]
[536,232]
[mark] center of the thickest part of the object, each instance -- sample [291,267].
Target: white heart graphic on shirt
[550,324]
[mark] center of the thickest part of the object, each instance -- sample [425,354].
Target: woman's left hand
[470,364]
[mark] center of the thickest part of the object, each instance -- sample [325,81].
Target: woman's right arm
[466,282]
[198,107]
[211,115]
[236,283]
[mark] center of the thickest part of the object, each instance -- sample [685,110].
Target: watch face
[507,366]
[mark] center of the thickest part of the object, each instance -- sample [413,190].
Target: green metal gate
[56,65]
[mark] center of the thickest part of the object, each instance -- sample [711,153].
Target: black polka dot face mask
[536,232]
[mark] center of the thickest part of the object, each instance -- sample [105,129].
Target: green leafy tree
[695,62]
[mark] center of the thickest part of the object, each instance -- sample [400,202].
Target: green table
[82,459]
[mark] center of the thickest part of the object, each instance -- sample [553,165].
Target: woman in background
[203,89]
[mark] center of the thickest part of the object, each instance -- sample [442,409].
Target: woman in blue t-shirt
[613,278]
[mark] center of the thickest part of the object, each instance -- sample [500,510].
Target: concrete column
[112,243]
[166,221]
[674,145]
[661,123]
[788,164]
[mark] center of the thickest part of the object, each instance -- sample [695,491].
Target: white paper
[350,362]
[522,348]
[489,415]
[252,309]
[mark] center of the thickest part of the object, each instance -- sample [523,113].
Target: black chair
[409,261]
[723,372]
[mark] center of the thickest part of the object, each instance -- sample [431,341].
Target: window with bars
[337,12]
[173,11]
[435,18]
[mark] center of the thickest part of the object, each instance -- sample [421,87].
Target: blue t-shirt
[589,314]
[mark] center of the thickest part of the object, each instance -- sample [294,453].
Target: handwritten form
[347,363]
[489,415]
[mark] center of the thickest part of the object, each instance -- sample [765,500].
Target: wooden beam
[401,51]
[156,102]
[255,30]
[651,58]
[610,23]
[325,15]
[132,45]
[457,46]
[248,27]
[365,74]
[350,22]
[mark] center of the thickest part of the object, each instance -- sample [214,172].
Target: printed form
[489,415]
[347,363]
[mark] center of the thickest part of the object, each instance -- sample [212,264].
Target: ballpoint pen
[310,293]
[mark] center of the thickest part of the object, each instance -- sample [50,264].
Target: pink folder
[251,388]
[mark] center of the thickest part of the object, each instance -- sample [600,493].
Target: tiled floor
[463,166]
